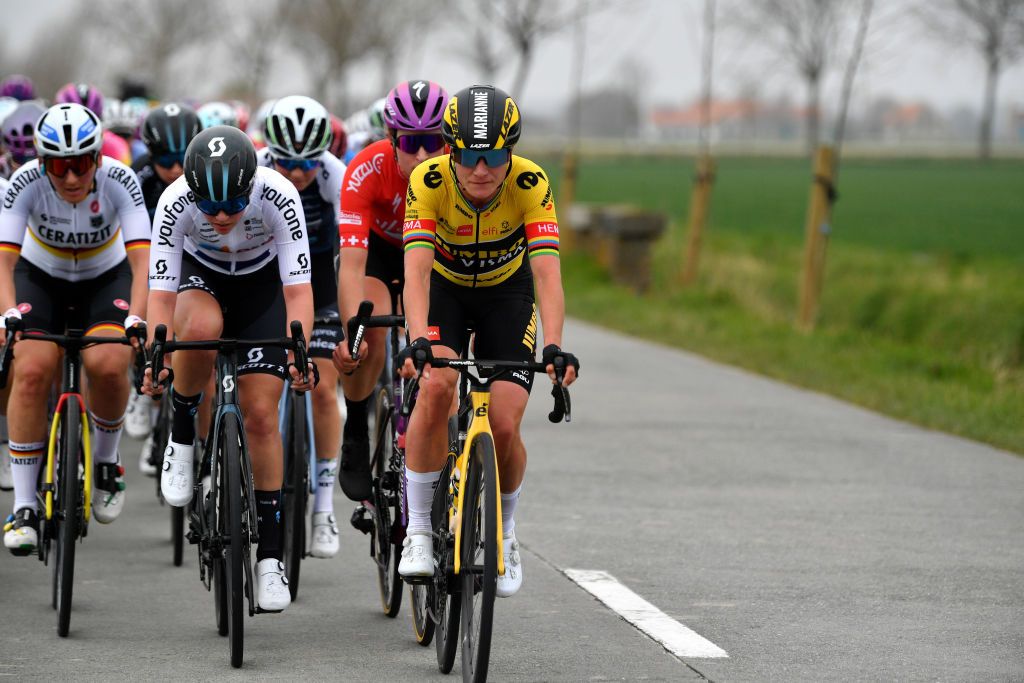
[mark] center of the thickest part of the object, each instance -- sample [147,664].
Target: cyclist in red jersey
[370,230]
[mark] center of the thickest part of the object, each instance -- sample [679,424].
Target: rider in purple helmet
[18,131]
[19,87]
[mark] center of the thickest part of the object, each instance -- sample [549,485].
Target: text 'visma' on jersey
[480,248]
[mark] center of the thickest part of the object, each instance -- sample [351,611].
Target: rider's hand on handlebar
[11,319]
[571,364]
[419,348]
[312,377]
[135,330]
[342,358]
[151,389]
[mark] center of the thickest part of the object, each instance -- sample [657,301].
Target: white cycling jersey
[80,241]
[328,177]
[272,225]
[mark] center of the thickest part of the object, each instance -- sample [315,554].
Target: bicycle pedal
[418,580]
[359,520]
[193,538]
[389,481]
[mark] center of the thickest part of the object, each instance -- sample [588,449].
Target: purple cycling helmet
[19,131]
[19,87]
[415,106]
[89,96]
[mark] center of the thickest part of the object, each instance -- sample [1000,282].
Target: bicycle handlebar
[296,343]
[364,320]
[563,404]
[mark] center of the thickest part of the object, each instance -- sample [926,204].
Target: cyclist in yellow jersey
[481,238]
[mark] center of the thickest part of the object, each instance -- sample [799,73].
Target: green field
[922,315]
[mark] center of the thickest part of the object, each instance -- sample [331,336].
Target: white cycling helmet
[124,116]
[68,130]
[297,127]
[217,114]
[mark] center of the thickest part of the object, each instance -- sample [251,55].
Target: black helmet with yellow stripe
[481,117]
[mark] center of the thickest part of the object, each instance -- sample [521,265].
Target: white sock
[420,490]
[326,472]
[106,438]
[508,508]
[26,459]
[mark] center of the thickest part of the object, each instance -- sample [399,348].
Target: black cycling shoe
[354,472]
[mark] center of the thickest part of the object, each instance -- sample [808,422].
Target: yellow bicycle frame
[51,456]
[479,424]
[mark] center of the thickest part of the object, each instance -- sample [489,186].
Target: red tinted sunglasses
[59,166]
[410,144]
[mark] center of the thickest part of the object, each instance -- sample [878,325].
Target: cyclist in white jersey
[230,258]
[297,131]
[83,261]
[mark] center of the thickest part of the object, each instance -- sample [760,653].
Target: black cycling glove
[315,372]
[551,352]
[418,350]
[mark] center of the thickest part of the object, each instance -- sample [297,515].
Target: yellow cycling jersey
[480,247]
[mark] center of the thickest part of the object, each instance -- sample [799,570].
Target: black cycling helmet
[481,117]
[169,128]
[220,164]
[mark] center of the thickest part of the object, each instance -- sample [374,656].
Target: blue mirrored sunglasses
[230,207]
[494,158]
[170,159]
[301,164]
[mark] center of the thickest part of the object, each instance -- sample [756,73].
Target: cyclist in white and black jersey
[230,258]
[166,132]
[297,132]
[86,225]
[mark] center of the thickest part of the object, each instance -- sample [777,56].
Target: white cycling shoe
[272,593]
[511,581]
[325,535]
[176,479]
[417,556]
[145,466]
[136,422]
[108,491]
[6,478]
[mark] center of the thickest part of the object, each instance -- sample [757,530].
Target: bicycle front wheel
[387,516]
[479,566]
[229,519]
[68,508]
[296,494]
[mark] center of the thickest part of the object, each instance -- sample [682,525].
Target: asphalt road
[810,539]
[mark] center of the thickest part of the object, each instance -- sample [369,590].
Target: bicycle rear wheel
[67,508]
[296,493]
[229,519]
[479,566]
[387,505]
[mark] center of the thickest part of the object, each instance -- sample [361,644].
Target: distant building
[730,121]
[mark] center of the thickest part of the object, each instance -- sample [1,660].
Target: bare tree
[863,23]
[146,35]
[992,28]
[803,32]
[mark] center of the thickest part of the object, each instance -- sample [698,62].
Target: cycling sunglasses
[494,158]
[59,166]
[170,159]
[230,207]
[301,164]
[410,144]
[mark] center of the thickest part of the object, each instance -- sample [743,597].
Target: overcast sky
[662,37]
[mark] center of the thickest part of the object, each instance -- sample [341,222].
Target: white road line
[675,637]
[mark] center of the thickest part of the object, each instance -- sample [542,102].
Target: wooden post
[566,198]
[699,201]
[816,236]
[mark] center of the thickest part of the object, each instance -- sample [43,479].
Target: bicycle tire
[68,508]
[387,506]
[296,494]
[230,520]
[421,597]
[178,534]
[445,592]
[479,566]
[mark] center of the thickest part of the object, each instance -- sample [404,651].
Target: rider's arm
[135,230]
[173,215]
[360,185]
[418,235]
[13,221]
[293,260]
[547,279]
[298,303]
